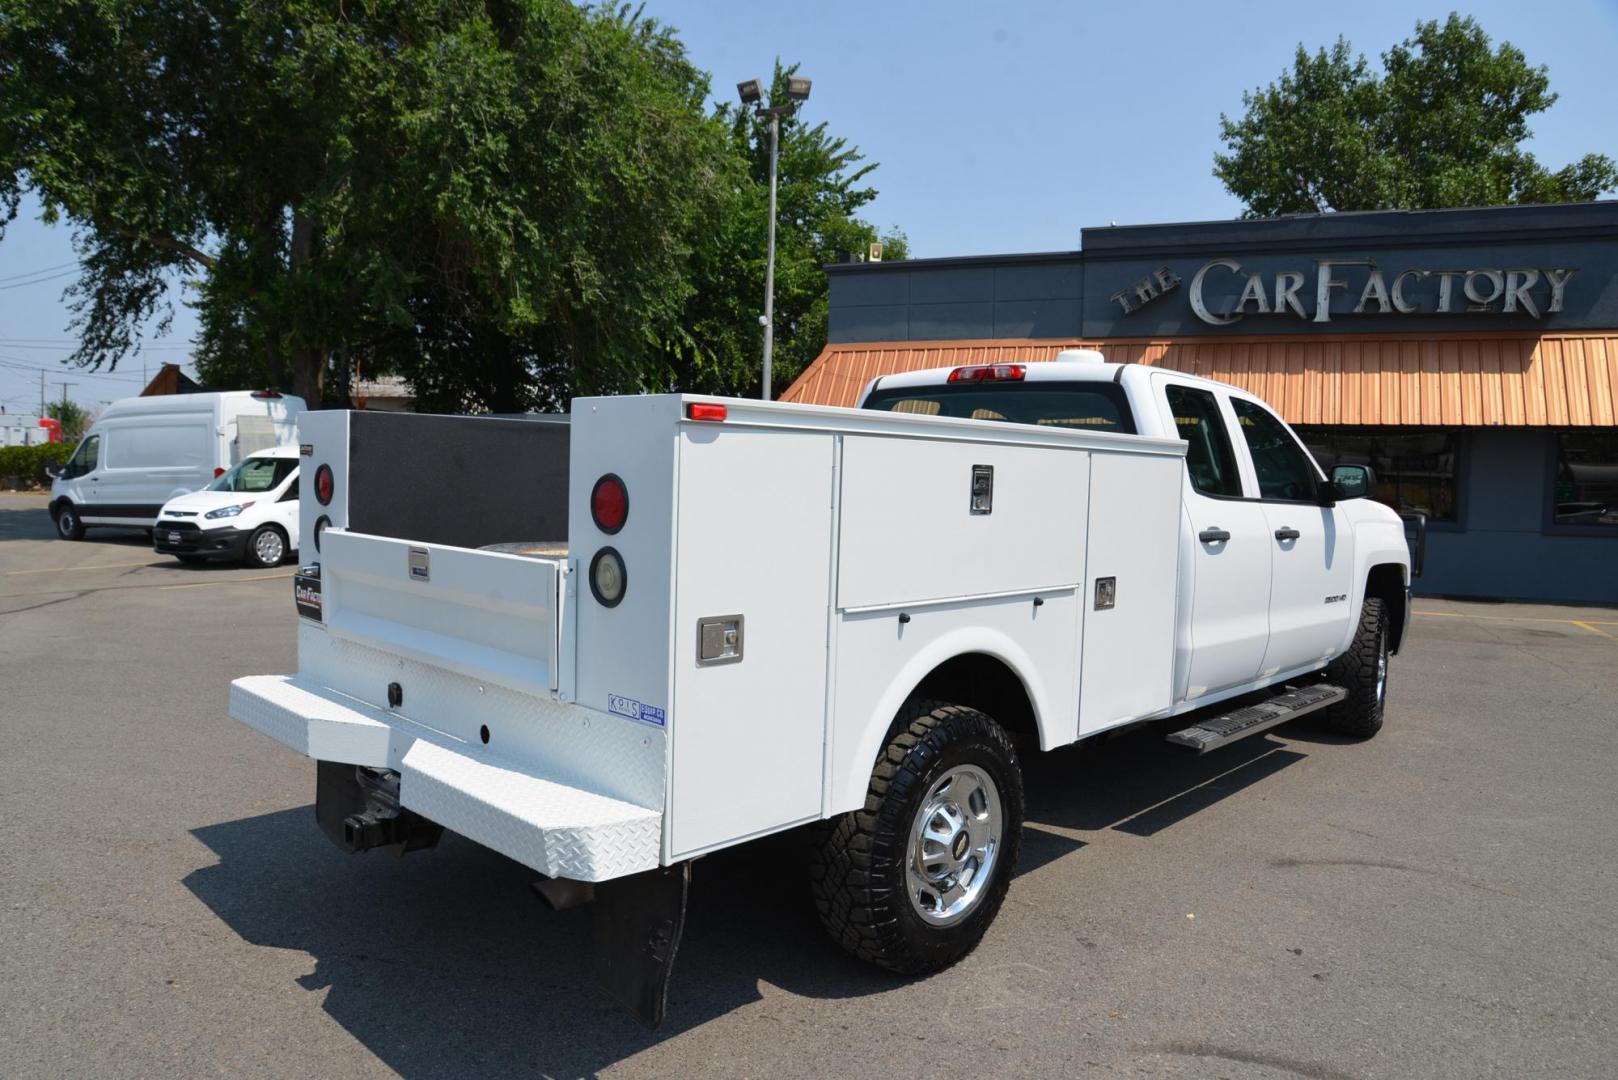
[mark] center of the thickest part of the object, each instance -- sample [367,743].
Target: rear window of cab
[1092,406]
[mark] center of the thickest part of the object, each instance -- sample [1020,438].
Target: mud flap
[638,923]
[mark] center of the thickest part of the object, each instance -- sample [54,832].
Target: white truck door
[1311,546]
[1229,537]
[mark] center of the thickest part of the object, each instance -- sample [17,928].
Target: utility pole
[63,417]
[42,395]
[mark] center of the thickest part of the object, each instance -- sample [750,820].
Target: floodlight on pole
[752,93]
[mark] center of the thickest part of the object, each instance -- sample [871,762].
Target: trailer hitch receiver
[358,809]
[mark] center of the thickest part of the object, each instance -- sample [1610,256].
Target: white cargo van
[141,452]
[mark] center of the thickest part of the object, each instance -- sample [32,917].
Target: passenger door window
[1284,470]
[1209,458]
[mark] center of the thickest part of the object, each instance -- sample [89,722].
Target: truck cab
[1273,564]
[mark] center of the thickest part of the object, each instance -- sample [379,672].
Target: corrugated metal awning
[1460,380]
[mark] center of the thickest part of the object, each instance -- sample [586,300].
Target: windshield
[1095,406]
[256,474]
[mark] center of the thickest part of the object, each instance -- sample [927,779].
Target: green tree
[498,198]
[821,186]
[1442,125]
[72,416]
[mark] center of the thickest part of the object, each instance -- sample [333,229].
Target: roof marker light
[705,410]
[989,373]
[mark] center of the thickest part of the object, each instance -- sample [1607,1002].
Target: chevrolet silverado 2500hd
[678,623]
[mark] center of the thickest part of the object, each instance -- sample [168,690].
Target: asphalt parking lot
[1439,901]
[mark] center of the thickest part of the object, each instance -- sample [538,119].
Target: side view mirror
[1352,481]
[53,471]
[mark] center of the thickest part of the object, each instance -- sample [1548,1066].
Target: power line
[41,280]
[68,344]
[41,270]
[14,364]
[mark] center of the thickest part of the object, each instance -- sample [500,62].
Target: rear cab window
[1210,461]
[1088,406]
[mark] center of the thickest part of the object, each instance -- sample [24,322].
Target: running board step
[1216,731]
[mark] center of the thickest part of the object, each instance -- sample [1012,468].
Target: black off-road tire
[857,865]
[69,525]
[1362,670]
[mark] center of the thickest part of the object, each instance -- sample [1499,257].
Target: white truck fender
[854,756]
[1376,543]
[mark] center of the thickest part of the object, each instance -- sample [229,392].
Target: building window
[1586,485]
[1415,469]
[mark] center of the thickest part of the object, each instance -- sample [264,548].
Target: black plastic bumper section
[187,538]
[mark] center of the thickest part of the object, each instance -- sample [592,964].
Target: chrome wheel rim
[1382,671]
[268,547]
[954,845]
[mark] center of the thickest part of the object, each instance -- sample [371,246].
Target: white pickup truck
[608,648]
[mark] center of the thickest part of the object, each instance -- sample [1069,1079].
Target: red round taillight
[323,484]
[609,503]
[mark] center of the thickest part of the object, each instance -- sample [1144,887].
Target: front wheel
[69,526]
[911,881]
[266,547]
[1363,672]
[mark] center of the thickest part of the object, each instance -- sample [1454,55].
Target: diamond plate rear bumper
[558,829]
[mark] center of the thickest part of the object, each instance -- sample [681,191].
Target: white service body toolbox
[590,742]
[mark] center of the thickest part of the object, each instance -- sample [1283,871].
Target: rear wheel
[266,547]
[69,526]
[1363,672]
[911,881]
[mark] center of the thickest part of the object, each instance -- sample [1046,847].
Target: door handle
[1214,536]
[1286,532]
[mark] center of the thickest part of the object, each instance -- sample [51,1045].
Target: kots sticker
[625,706]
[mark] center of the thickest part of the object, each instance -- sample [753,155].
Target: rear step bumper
[1213,732]
[560,830]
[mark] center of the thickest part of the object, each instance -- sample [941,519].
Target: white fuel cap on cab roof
[1080,356]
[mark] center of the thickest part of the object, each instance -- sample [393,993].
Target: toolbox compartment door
[484,614]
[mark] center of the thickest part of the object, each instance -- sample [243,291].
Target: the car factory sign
[1223,292]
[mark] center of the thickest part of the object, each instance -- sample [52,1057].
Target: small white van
[141,452]
[249,514]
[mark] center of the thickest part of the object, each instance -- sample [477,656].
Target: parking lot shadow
[446,963]
[1136,783]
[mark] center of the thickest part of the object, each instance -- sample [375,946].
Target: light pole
[752,93]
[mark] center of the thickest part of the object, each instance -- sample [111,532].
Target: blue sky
[998,126]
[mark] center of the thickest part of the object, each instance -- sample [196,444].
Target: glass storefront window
[1415,469]
[1586,486]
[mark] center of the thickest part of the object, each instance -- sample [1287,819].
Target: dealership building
[1469,356]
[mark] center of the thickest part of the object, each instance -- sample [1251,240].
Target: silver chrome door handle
[1214,536]
[1286,532]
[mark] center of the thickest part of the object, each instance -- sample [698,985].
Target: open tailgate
[485,614]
